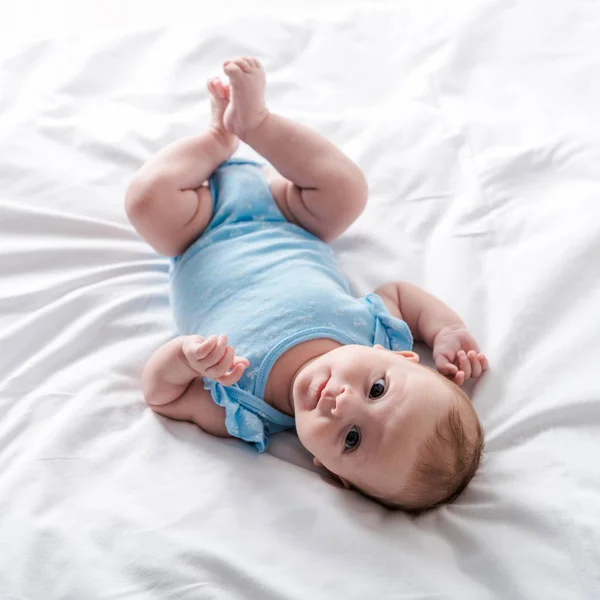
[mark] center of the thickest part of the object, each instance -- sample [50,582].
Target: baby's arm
[424,314]
[173,386]
[455,352]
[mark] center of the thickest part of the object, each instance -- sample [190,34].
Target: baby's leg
[166,201]
[326,191]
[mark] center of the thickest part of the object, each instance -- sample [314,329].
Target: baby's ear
[332,478]
[344,482]
[335,480]
[408,355]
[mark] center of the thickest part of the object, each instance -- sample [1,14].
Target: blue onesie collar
[287,343]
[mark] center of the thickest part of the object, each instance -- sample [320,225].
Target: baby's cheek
[303,430]
[308,433]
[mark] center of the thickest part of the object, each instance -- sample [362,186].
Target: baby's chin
[301,395]
[301,388]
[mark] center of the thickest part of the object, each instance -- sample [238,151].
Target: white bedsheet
[478,127]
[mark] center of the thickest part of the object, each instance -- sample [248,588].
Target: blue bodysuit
[268,285]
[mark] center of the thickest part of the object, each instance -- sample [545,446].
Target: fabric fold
[392,333]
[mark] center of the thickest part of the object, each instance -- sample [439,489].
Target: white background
[477,125]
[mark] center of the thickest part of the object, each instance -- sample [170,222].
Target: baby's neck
[280,383]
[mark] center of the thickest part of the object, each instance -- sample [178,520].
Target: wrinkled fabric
[269,285]
[477,125]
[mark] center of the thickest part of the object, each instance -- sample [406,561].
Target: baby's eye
[377,389]
[352,438]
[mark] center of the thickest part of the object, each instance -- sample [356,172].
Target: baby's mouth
[318,395]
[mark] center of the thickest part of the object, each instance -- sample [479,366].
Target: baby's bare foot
[247,109]
[219,99]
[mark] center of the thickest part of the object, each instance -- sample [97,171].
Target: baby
[251,258]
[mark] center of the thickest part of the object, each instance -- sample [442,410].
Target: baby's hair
[448,464]
[452,476]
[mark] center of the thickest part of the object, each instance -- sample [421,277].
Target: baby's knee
[138,198]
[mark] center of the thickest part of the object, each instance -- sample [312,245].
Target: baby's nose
[340,400]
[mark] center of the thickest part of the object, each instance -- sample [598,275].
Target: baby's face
[365,413]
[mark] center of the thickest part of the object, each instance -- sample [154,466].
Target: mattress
[477,125]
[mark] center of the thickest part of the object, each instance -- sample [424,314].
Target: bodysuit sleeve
[246,416]
[392,333]
[239,421]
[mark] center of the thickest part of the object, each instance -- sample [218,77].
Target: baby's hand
[211,357]
[456,354]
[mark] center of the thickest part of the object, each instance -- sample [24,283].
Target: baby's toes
[244,64]
[232,70]
[219,88]
[253,62]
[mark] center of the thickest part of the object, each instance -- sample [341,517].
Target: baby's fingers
[234,375]
[241,359]
[463,363]
[444,363]
[195,348]
[222,366]
[483,360]
[448,370]
[459,378]
[476,368]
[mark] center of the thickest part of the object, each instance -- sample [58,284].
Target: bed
[477,125]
